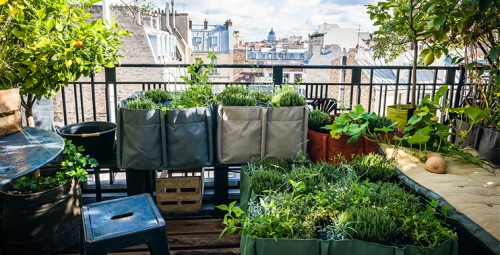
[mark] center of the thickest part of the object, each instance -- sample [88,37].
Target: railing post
[277,75]
[356,80]
[460,87]
[110,77]
[450,80]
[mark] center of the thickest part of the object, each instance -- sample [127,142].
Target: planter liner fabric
[269,246]
[473,192]
[250,133]
[151,140]
[246,192]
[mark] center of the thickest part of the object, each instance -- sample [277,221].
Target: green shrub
[336,175]
[369,224]
[374,167]
[378,122]
[158,96]
[271,163]
[317,119]
[394,199]
[196,96]
[309,176]
[288,98]
[142,103]
[266,180]
[262,97]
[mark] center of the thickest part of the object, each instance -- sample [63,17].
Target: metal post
[110,76]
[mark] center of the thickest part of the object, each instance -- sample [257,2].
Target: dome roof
[272,32]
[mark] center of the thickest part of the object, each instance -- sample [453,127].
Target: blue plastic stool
[124,222]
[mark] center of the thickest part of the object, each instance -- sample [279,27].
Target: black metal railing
[97,98]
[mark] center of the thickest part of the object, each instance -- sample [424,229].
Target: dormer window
[197,40]
[213,41]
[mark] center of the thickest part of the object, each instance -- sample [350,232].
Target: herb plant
[317,119]
[74,166]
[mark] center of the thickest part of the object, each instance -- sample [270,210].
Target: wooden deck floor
[187,237]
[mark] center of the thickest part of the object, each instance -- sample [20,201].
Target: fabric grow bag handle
[91,135]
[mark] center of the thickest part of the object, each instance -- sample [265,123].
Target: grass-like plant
[318,119]
[374,167]
[309,176]
[272,163]
[158,96]
[288,98]
[142,103]
[369,224]
[263,180]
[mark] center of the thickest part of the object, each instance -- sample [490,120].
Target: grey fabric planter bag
[141,143]
[250,133]
[189,135]
[151,140]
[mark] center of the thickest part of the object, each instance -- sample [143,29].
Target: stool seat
[120,223]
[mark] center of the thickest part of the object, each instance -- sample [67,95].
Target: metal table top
[26,151]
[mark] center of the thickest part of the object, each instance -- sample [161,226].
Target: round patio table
[25,151]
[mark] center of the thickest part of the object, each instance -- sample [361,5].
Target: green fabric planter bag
[268,246]
[401,113]
[246,192]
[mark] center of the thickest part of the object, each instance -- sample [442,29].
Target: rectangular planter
[322,147]
[269,246]
[250,133]
[180,194]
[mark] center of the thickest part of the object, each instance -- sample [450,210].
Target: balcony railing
[375,87]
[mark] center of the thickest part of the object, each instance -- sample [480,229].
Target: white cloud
[255,18]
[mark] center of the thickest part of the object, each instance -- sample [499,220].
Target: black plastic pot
[97,137]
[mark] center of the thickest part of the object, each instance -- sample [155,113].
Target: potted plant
[252,125]
[41,214]
[41,61]
[328,209]
[156,128]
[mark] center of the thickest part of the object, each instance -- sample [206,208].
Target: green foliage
[74,166]
[142,103]
[374,167]
[199,72]
[428,227]
[354,124]
[198,95]
[236,96]
[158,96]
[265,180]
[310,177]
[47,43]
[272,163]
[317,119]
[289,98]
[377,123]
[369,224]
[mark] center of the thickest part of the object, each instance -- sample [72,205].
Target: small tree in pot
[47,43]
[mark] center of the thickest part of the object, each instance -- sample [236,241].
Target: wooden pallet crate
[180,191]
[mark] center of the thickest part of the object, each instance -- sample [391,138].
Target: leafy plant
[142,103]
[74,166]
[265,180]
[378,123]
[369,224]
[289,98]
[310,177]
[374,167]
[272,163]
[159,96]
[354,124]
[339,231]
[45,44]
[317,119]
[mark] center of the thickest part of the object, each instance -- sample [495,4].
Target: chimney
[205,24]
[173,14]
[190,24]
[229,23]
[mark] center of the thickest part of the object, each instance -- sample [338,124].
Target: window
[270,55]
[253,55]
[291,55]
[302,56]
[270,75]
[197,40]
[213,41]
[263,55]
[215,62]
[297,77]
[247,76]
[281,55]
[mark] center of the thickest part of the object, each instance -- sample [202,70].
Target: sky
[255,18]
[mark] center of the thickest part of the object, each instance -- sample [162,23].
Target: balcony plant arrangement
[39,62]
[41,215]
[354,132]
[157,128]
[353,208]
[252,125]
